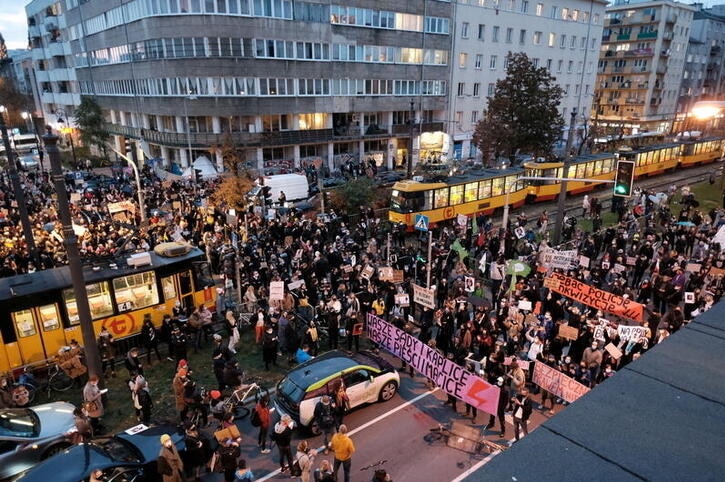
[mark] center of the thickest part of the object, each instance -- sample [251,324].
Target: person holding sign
[522,411]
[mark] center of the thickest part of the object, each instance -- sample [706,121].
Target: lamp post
[18,190]
[411,121]
[560,204]
[190,96]
[70,241]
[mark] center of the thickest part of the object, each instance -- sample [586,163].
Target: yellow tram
[700,151]
[597,166]
[479,191]
[38,313]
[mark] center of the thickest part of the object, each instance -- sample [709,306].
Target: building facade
[288,82]
[641,65]
[562,36]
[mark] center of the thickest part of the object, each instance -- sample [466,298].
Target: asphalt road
[397,431]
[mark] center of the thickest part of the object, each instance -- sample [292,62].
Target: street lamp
[190,96]
[18,190]
[60,115]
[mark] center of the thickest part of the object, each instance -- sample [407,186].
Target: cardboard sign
[347,269]
[584,261]
[693,267]
[288,240]
[554,381]
[469,284]
[619,268]
[367,272]
[717,271]
[276,290]
[385,273]
[231,432]
[295,284]
[596,298]
[568,332]
[689,297]
[424,296]
[525,305]
[357,329]
[462,220]
[551,258]
[615,352]
[631,260]
[520,232]
[398,276]
[121,206]
[634,333]
[450,377]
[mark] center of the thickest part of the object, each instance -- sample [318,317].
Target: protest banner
[276,290]
[552,258]
[693,267]
[554,381]
[402,300]
[424,296]
[717,271]
[631,332]
[447,375]
[594,297]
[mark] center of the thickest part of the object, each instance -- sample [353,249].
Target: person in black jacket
[282,436]
[325,418]
[522,411]
[229,453]
[150,338]
[503,401]
[132,363]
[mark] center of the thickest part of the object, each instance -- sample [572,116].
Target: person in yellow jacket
[343,449]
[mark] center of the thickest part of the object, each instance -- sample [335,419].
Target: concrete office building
[562,36]
[641,65]
[289,82]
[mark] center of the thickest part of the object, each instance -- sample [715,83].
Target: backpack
[256,419]
[295,470]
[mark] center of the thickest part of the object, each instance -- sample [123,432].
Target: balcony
[404,129]
[33,31]
[59,49]
[647,35]
[634,101]
[671,19]
[610,53]
[639,53]
[667,35]
[624,36]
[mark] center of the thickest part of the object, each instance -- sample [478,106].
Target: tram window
[99,301]
[24,324]
[136,291]
[471,193]
[202,274]
[656,157]
[441,197]
[484,189]
[498,186]
[597,167]
[185,284]
[456,194]
[167,287]
[510,183]
[589,169]
[49,317]
[580,170]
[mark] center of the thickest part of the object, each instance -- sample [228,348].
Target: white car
[368,378]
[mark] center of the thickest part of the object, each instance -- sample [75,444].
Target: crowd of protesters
[664,244]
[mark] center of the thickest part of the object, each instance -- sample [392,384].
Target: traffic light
[197,175]
[624,178]
[127,147]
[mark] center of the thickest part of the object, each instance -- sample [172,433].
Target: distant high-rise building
[641,65]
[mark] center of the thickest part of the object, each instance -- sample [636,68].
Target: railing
[644,35]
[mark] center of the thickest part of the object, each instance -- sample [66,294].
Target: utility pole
[19,192]
[70,241]
[560,204]
[411,121]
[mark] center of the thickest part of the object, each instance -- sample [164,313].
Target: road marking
[361,427]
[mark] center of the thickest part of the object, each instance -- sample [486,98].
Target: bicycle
[236,402]
[463,441]
[379,474]
[28,385]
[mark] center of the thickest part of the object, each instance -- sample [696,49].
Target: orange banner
[596,298]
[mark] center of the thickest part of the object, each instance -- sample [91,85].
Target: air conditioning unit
[139,259]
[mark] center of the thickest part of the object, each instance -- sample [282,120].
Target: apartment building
[288,82]
[561,35]
[641,64]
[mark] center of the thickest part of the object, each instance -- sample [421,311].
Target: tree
[236,179]
[354,195]
[90,121]
[523,112]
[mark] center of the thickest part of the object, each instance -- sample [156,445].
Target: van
[295,187]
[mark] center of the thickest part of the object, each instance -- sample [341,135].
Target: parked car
[129,456]
[29,161]
[367,377]
[30,435]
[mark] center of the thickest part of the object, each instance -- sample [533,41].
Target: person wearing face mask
[169,463]
[6,395]
[92,402]
[503,401]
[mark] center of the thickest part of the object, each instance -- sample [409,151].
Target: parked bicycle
[28,385]
[236,403]
[475,443]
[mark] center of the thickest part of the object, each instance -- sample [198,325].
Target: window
[464,30]
[572,44]
[559,66]
[509,35]
[537,38]
[565,13]
[570,67]
[539,9]
[552,39]
[478,61]
[474,117]
[491,89]
[522,36]
[535,63]
[481,31]
[553,11]
[462,60]
[562,41]
[99,301]
[477,89]
[548,65]
[494,34]
[525,6]
[461,88]
[136,291]
[492,63]
[471,191]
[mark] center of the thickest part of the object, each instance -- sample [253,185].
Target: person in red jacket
[264,411]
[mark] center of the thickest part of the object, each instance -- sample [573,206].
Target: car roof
[309,374]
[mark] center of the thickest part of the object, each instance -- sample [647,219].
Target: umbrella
[685,223]
[479,301]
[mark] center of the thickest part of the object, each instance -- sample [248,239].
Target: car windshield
[19,423]
[364,359]
[119,451]
[290,390]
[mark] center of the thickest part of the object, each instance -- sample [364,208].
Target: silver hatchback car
[29,435]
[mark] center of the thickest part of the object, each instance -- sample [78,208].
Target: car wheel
[388,391]
[314,429]
[55,449]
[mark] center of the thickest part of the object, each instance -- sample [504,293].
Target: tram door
[186,291]
[39,332]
